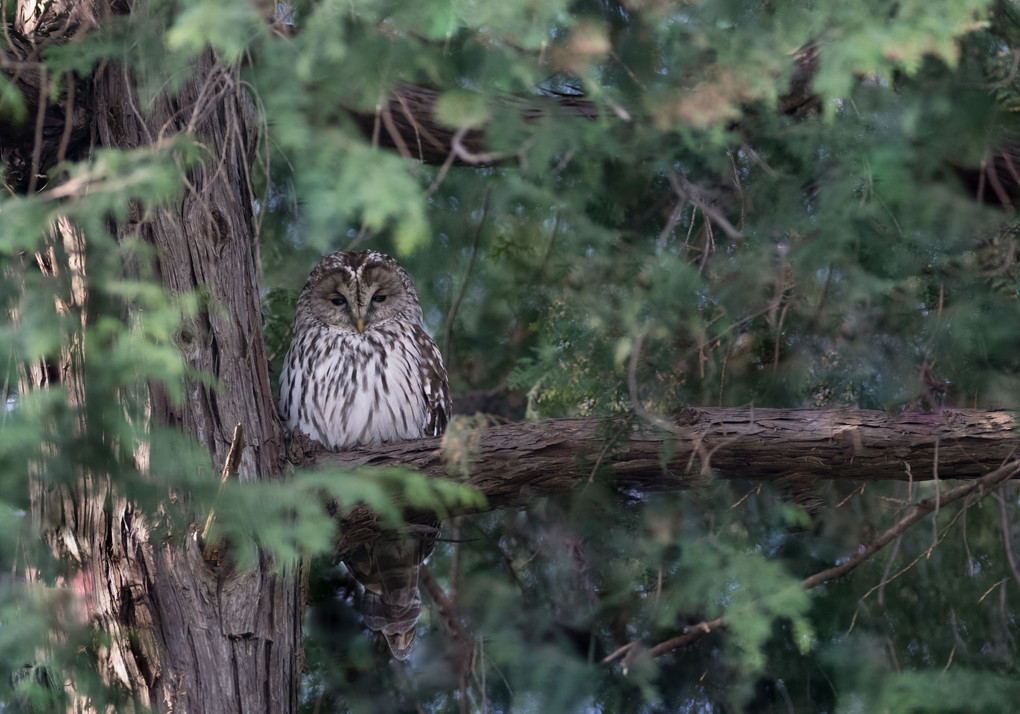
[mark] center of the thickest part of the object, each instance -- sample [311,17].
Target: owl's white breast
[350,388]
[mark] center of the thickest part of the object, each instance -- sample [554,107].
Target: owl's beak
[361,325]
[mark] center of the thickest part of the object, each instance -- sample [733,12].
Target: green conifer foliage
[615,210]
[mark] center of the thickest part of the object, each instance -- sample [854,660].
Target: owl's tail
[396,618]
[388,571]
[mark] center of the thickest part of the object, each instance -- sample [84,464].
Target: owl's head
[357,291]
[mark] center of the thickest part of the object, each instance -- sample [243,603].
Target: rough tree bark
[185,635]
[224,639]
[514,463]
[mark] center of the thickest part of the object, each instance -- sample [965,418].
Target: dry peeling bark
[221,640]
[184,634]
[217,639]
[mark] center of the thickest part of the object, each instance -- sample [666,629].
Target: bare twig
[687,191]
[1007,537]
[699,449]
[747,149]
[391,129]
[913,562]
[463,651]
[690,635]
[674,218]
[989,590]
[888,568]
[852,494]
[507,561]
[952,652]
[457,143]
[65,137]
[443,170]
[455,558]
[921,509]
[619,652]
[40,118]
[229,468]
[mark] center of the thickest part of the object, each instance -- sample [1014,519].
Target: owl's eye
[378,298]
[339,301]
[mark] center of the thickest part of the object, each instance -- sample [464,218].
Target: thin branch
[691,634]
[419,130]
[667,230]
[394,133]
[1007,537]
[441,176]
[65,137]
[888,569]
[40,118]
[687,191]
[507,561]
[909,566]
[468,157]
[230,466]
[921,509]
[619,652]
[639,408]
[463,651]
[989,590]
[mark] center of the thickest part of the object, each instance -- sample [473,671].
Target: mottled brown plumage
[362,370]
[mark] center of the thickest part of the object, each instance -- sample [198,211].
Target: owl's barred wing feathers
[362,370]
[435,385]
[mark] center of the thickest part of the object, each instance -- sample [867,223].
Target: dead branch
[689,636]
[230,467]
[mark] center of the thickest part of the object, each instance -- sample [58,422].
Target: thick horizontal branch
[514,463]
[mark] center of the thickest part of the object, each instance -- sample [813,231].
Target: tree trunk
[185,635]
[222,640]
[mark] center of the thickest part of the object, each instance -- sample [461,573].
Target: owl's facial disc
[358,304]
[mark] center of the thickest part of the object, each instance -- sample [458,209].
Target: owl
[362,370]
